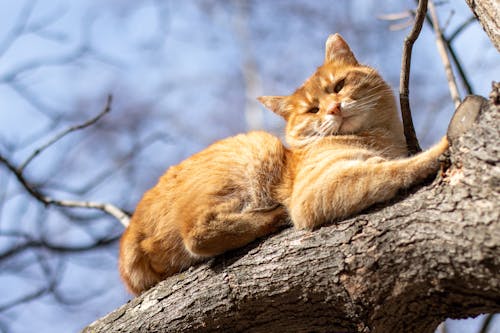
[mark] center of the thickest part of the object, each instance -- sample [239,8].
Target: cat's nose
[333,108]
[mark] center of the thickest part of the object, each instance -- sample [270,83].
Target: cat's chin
[350,125]
[331,124]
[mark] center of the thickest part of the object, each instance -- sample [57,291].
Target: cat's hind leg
[219,230]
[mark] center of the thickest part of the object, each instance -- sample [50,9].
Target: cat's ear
[337,50]
[275,104]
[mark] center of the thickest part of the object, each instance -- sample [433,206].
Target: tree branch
[461,28]
[448,43]
[487,12]
[404,266]
[67,131]
[440,42]
[31,243]
[107,208]
[404,81]
[18,27]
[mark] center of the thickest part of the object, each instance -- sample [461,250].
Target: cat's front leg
[345,188]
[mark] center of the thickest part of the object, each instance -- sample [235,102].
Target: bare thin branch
[448,20]
[396,16]
[458,64]
[486,323]
[108,208]
[24,299]
[53,278]
[18,28]
[101,177]
[461,28]
[407,16]
[461,72]
[69,130]
[411,138]
[452,84]
[29,243]
[52,113]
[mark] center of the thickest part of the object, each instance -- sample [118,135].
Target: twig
[396,16]
[107,208]
[452,84]
[110,209]
[30,243]
[409,129]
[461,28]
[59,136]
[51,286]
[460,69]
[18,27]
[24,299]
[448,20]
[407,15]
[458,64]
[486,323]
[119,163]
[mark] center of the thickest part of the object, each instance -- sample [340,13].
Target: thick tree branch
[404,81]
[488,13]
[401,267]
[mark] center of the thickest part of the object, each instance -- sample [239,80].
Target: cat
[345,152]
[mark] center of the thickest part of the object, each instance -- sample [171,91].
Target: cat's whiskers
[325,128]
[366,103]
[328,126]
[359,107]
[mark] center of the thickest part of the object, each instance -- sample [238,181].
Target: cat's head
[341,97]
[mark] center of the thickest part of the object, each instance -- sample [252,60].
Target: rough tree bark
[405,266]
[488,14]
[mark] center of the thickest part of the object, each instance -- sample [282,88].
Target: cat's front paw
[464,117]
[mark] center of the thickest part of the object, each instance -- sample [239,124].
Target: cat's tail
[135,267]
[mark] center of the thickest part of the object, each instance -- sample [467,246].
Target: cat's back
[248,165]
[253,152]
[243,150]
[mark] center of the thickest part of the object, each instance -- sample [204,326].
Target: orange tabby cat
[346,152]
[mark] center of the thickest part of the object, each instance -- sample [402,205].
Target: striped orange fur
[346,151]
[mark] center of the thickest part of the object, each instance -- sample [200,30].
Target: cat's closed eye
[314,109]
[337,88]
